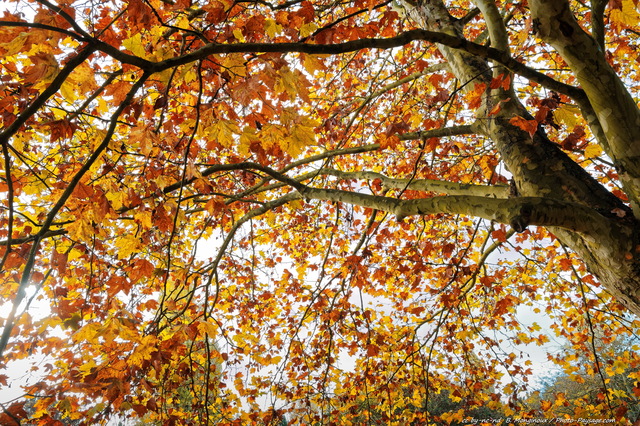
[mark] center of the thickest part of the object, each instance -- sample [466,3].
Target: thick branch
[27,239]
[518,212]
[539,168]
[10,205]
[597,21]
[402,39]
[466,129]
[259,187]
[499,39]
[430,185]
[495,24]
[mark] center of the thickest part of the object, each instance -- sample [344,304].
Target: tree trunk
[539,167]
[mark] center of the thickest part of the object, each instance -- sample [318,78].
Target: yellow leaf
[84,76]
[223,131]
[619,366]
[237,33]
[287,82]
[208,328]
[143,351]
[272,135]
[75,254]
[628,15]
[307,29]
[301,132]
[247,137]
[135,45]
[235,63]
[301,137]
[144,218]
[117,199]
[86,368]
[88,333]
[272,28]
[188,73]
[67,90]
[127,245]
[567,115]
[81,228]
[312,64]
[451,417]
[15,45]
[592,151]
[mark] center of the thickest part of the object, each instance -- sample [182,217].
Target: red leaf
[529,126]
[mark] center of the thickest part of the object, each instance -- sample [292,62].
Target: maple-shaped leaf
[529,126]
[44,69]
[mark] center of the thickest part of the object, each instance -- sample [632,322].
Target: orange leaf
[529,126]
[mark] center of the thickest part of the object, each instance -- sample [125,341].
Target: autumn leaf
[567,114]
[529,126]
[222,132]
[592,151]
[44,69]
[292,83]
[627,14]
[503,81]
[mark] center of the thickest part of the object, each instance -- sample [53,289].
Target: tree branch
[518,212]
[53,87]
[60,11]
[402,39]
[367,43]
[258,211]
[466,129]
[495,24]
[597,21]
[44,27]
[431,185]
[259,187]
[27,239]
[395,84]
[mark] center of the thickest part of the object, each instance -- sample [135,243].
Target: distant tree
[589,387]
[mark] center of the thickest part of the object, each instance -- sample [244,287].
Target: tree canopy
[241,212]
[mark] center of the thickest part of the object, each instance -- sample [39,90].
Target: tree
[327,188]
[586,384]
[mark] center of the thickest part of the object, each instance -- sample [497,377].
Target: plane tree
[345,200]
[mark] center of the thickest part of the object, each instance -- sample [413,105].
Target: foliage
[609,375]
[241,211]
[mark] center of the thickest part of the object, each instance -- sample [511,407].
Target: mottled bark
[616,110]
[539,167]
[430,185]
